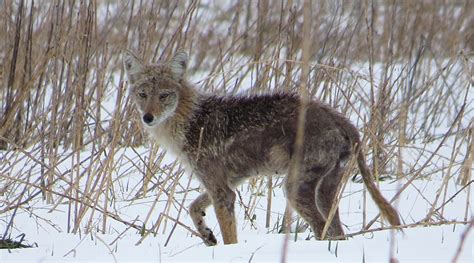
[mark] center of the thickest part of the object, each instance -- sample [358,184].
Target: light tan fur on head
[155,88]
[161,95]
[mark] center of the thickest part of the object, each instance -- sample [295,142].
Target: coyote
[225,140]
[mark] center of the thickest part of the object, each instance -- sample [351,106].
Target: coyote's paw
[208,237]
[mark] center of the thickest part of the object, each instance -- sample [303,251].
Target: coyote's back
[225,140]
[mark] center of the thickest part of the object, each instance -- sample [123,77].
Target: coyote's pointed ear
[178,64]
[132,64]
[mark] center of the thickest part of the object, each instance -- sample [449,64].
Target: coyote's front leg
[197,211]
[223,200]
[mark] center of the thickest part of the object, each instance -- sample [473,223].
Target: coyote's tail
[385,207]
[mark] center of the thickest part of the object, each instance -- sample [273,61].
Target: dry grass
[401,70]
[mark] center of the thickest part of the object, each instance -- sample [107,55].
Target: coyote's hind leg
[302,198]
[325,197]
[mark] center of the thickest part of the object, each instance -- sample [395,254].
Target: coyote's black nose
[147,118]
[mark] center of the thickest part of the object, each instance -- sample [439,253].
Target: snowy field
[79,182]
[142,227]
[433,244]
[44,227]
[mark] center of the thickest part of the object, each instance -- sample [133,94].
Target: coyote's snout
[225,140]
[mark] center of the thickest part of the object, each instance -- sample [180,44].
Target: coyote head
[154,89]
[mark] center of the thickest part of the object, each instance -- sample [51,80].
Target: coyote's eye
[142,95]
[164,96]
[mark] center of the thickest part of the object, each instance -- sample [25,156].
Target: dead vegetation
[403,71]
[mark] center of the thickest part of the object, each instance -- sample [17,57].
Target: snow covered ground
[48,227]
[433,244]
[47,231]
[45,226]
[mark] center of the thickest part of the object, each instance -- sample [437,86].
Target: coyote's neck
[188,101]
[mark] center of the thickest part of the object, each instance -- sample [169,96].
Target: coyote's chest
[167,141]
